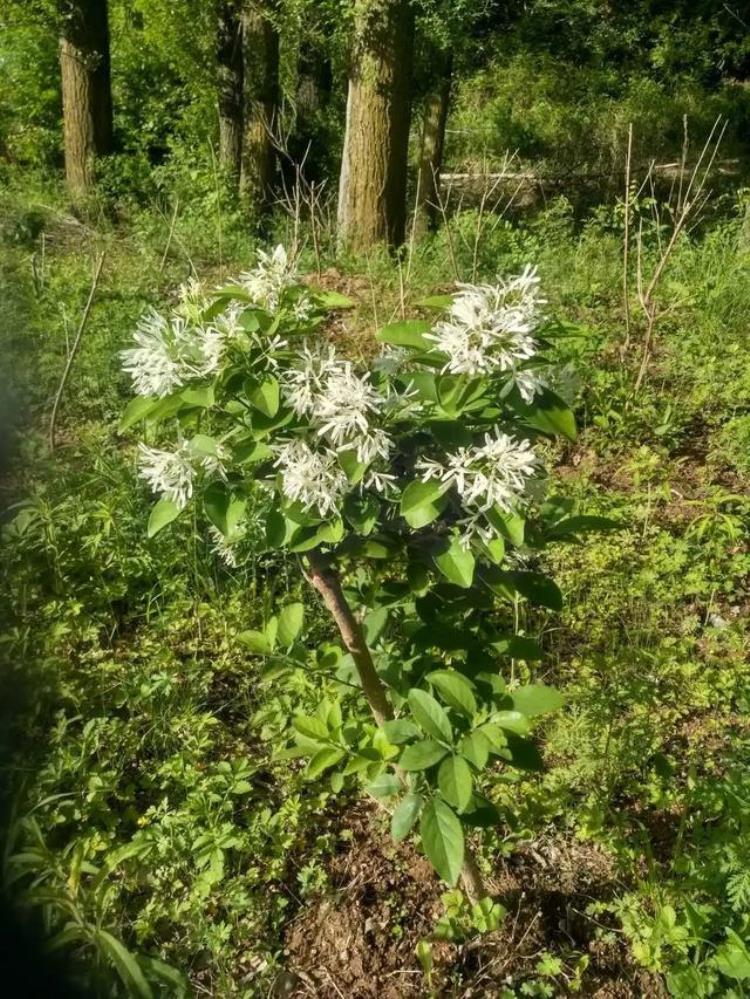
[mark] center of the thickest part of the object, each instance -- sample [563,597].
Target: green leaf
[162,513]
[264,425]
[455,690]
[353,468]
[384,786]
[216,500]
[270,630]
[508,524]
[423,382]
[495,548]
[535,587]
[312,728]
[419,578]
[476,748]
[126,965]
[571,527]
[512,721]
[405,815]
[421,755]
[323,760]
[733,958]
[332,299]
[374,624]
[264,395]
[435,302]
[202,396]
[536,699]
[496,737]
[279,530]
[400,730]
[442,839]
[455,782]
[362,512]
[408,333]
[457,392]
[518,647]
[457,564]
[422,502]
[291,619]
[547,413]
[256,641]
[429,715]
[137,409]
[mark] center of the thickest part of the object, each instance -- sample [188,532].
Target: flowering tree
[407,492]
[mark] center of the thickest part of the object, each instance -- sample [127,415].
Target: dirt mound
[359,941]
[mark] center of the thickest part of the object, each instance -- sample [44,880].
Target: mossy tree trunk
[86,90]
[436,106]
[261,101]
[372,186]
[229,67]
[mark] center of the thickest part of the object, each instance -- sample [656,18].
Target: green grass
[143,798]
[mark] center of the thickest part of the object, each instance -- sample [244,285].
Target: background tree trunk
[372,186]
[229,80]
[436,106]
[261,101]
[86,90]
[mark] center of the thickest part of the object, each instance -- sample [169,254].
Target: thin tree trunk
[86,90]
[372,185]
[326,581]
[436,106]
[229,67]
[261,100]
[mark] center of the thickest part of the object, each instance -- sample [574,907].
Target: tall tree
[372,186]
[229,63]
[436,104]
[261,100]
[86,89]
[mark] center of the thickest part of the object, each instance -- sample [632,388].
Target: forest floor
[146,800]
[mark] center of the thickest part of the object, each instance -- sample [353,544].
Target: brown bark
[261,100]
[436,106]
[229,70]
[372,186]
[327,583]
[86,90]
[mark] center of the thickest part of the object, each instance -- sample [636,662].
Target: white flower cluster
[271,276]
[311,478]
[170,353]
[340,404]
[495,474]
[172,473]
[226,548]
[490,329]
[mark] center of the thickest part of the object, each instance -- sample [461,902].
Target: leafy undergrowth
[150,826]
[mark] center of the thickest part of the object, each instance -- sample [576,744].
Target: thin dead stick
[626,243]
[172,225]
[692,204]
[73,351]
